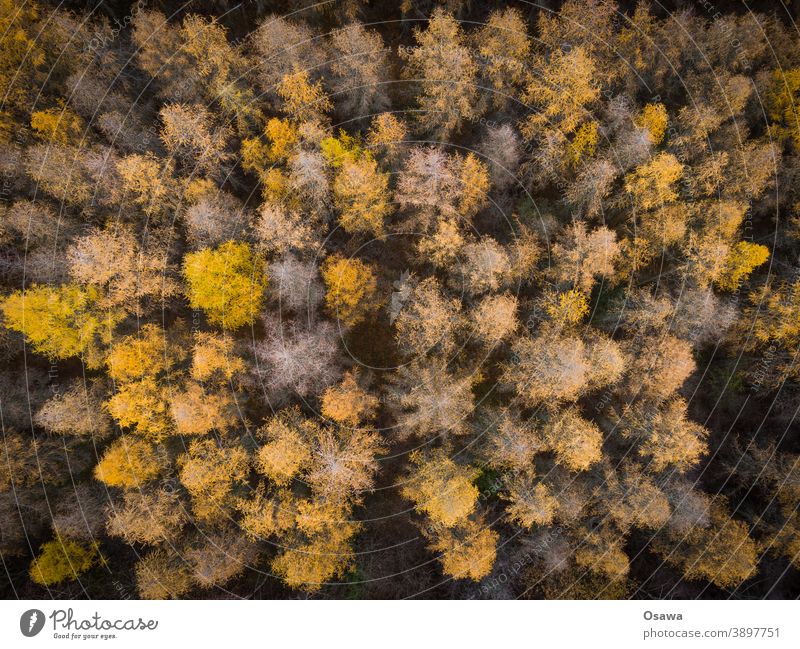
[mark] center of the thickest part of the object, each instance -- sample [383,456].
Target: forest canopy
[385,300]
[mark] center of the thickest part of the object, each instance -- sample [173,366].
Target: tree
[214,219]
[286,450]
[427,186]
[222,68]
[214,360]
[210,473]
[582,255]
[351,289]
[509,442]
[141,404]
[443,247]
[441,489]
[279,229]
[433,184]
[358,66]
[722,553]
[775,313]
[474,185]
[282,46]
[143,355]
[218,557]
[297,360]
[601,552]
[226,282]
[129,463]
[308,183]
[26,461]
[80,512]
[635,500]
[560,90]
[296,285]
[653,184]
[782,100]
[348,403]
[57,126]
[190,135]
[162,574]
[502,149]
[566,308]
[504,47]
[64,172]
[657,366]
[149,516]
[485,266]
[547,368]
[160,55]
[318,549]
[468,551]
[575,441]
[130,274]
[387,134]
[672,440]
[531,501]
[427,400]
[60,322]
[360,192]
[446,72]
[583,145]
[21,55]
[197,411]
[61,560]
[428,321]
[654,118]
[303,99]
[78,411]
[742,260]
[148,180]
[343,462]
[140,364]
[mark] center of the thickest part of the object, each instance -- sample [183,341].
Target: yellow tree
[22,53]
[561,89]
[286,451]
[227,282]
[653,183]
[743,258]
[210,473]
[140,365]
[441,489]
[348,403]
[504,46]
[57,126]
[782,102]
[351,289]
[303,99]
[361,195]
[467,551]
[723,553]
[61,560]
[60,322]
[129,463]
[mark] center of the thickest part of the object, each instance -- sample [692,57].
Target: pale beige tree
[446,71]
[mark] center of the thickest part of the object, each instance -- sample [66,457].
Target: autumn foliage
[393,300]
